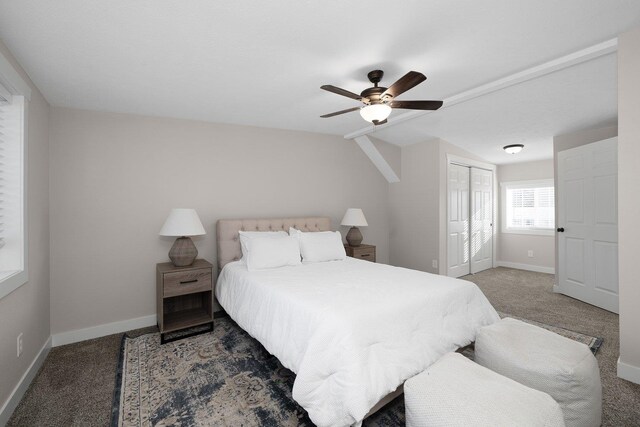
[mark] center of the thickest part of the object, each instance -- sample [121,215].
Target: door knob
[561,230]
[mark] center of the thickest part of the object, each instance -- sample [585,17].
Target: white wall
[628,204]
[513,248]
[417,205]
[114,178]
[414,208]
[391,153]
[582,137]
[26,310]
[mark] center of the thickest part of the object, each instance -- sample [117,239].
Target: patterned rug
[223,378]
[594,343]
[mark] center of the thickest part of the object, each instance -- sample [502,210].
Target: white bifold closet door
[481,220]
[458,252]
[588,223]
[470,220]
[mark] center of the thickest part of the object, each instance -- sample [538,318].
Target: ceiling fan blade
[342,92]
[416,105]
[406,82]
[348,110]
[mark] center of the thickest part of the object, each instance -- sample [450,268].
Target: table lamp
[183,223]
[354,218]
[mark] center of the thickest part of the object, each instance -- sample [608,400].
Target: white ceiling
[261,63]
[530,113]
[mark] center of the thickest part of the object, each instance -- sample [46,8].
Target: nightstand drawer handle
[365,254]
[184,282]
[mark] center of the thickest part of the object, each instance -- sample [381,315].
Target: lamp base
[183,252]
[354,237]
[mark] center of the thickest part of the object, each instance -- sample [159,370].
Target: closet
[469,219]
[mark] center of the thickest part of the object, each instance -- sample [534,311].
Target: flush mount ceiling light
[513,148]
[375,113]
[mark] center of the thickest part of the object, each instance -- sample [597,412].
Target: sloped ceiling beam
[563,62]
[376,158]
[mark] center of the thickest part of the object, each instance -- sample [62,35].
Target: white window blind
[528,206]
[4,101]
[14,93]
[11,185]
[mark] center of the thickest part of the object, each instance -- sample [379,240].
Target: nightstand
[184,297]
[366,252]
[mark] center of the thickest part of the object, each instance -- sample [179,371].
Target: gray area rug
[594,343]
[224,378]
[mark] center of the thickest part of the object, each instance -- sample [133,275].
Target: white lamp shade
[182,222]
[377,112]
[354,218]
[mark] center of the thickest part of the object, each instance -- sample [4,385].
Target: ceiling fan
[379,101]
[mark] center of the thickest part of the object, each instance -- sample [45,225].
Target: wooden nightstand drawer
[366,252]
[184,297]
[186,282]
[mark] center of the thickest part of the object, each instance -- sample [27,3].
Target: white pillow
[320,246]
[269,252]
[294,232]
[247,236]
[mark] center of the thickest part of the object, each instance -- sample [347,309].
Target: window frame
[536,183]
[10,280]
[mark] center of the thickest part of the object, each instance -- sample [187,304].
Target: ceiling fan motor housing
[375,76]
[372,94]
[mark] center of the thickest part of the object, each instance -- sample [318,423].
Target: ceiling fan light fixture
[513,148]
[375,112]
[379,101]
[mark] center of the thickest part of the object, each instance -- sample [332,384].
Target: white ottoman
[546,361]
[454,391]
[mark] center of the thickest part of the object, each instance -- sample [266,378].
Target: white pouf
[454,391]
[546,361]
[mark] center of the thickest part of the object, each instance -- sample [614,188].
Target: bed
[352,331]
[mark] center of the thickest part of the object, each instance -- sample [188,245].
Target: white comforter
[352,330]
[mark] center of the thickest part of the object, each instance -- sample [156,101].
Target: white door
[481,220]
[458,221]
[588,223]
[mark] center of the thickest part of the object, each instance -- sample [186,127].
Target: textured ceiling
[530,113]
[261,63]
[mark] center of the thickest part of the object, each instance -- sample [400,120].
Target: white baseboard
[628,372]
[78,335]
[528,267]
[16,395]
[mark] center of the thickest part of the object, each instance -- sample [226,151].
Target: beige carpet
[530,295]
[75,385]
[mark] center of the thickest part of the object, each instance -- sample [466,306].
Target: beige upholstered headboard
[228,240]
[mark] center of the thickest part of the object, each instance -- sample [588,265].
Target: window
[13,237]
[528,207]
